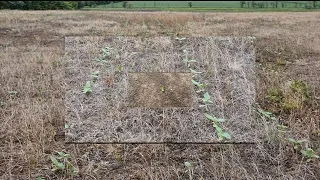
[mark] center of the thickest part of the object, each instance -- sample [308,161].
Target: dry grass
[32,120]
[227,66]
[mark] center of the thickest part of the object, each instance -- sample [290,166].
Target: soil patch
[160,89]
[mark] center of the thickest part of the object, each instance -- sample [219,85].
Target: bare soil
[160,90]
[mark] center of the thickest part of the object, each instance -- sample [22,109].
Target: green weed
[266,114]
[162,88]
[206,98]
[310,154]
[87,88]
[296,143]
[61,163]
[221,134]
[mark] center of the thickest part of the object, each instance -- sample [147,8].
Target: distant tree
[190,4]
[124,4]
[242,3]
[314,4]
[276,4]
[253,4]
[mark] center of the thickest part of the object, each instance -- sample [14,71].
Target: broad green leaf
[209,116]
[220,120]
[87,87]
[61,154]
[57,163]
[202,85]
[187,164]
[226,135]
[292,140]
[195,82]
[219,130]
[162,88]
[206,96]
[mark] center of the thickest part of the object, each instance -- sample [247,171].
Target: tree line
[277,4]
[50,5]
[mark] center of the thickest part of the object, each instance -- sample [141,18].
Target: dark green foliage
[50,5]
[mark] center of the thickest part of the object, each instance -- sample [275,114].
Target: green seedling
[221,134]
[206,98]
[296,143]
[66,126]
[87,88]
[310,154]
[56,164]
[62,163]
[213,119]
[106,52]
[269,115]
[95,75]
[162,88]
[187,164]
[200,85]
[40,178]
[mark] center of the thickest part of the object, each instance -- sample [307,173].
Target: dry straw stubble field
[32,97]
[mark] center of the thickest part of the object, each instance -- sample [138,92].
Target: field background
[32,97]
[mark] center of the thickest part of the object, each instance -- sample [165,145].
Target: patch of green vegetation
[162,89]
[221,134]
[274,95]
[294,96]
[267,114]
[87,88]
[296,143]
[310,154]
[301,88]
[62,164]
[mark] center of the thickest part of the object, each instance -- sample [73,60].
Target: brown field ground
[32,120]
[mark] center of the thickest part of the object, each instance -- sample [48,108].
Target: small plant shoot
[296,143]
[221,134]
[162,88]
[87,88]
[268,115]
[206,98]
[310,154]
